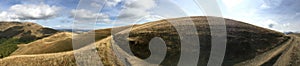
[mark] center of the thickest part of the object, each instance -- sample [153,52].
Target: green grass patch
[8,46]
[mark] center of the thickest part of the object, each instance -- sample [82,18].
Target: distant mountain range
[74,30]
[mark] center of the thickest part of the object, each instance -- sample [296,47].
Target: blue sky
[280,15]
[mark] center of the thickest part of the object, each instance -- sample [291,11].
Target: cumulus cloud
[272,3]
[231,3]
[112,2]
[94,4]
[29,12]
[130,10]
[6,16]
[265,6]
[135,9]
[84,15]
[287,27]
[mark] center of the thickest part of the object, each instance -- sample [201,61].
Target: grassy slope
[56,43]
[244,41]
[65,58]
[61,42]
[14,33]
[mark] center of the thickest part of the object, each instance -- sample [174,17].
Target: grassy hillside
[14,33]
[244,42]
[60,42]
[56,43]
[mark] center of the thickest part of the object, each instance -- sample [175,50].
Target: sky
[280,15]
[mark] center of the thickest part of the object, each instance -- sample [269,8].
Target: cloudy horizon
[61,14]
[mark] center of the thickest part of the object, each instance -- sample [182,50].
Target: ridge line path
[291,57]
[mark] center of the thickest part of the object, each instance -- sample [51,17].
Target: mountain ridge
[24,30]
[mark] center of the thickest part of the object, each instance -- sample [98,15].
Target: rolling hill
[52,44]
[245,43]
[61,42]
[13,33]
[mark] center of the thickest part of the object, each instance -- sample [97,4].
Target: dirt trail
[267,56]
[291,57]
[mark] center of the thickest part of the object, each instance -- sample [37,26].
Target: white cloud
[141,4]
[173,9]
[84,15]
[112,2]
[6,16]
[99,3]
[30,11]
[132,10]
[270,3]
[133,13]
[21,12]
[231,3]
[288,27]
[136,9]
[265,6]
[274,25]
[297,14]
[94,4]
[154,17]
[149,18]
[273,3]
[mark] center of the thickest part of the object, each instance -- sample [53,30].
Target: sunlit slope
[55,43]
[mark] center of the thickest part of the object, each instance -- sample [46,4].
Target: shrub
[8,46]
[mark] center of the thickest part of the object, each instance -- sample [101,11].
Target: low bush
[8,46]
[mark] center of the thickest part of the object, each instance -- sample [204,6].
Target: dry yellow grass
[56,43]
